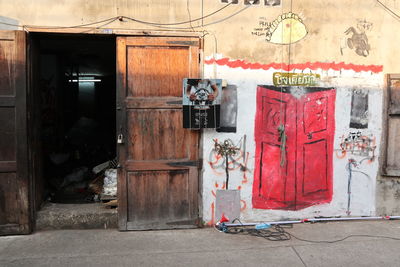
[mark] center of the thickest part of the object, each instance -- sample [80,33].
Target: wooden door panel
[8,199]
[8,134]
[154,136]
[158,178]
[7,61]
[14,180]
[155,71]
[157,195]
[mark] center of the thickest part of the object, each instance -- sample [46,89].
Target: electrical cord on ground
[278,233]
[342,239]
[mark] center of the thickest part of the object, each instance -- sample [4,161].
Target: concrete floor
[56,216]
[206,247]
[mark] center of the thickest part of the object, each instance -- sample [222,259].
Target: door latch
[120,139]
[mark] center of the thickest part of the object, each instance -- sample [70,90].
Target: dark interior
[73,98]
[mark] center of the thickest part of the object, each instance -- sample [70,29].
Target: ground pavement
[207,247]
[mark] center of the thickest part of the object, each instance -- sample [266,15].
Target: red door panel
[301,174]
[315,142]
[274,182]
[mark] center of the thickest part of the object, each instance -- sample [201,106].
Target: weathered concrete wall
[350,44]
[364,170]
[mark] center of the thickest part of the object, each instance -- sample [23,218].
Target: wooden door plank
[15,214]
[158,181]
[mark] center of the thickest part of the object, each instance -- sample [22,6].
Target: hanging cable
[188,28]
[178,23]
[118,17]
[98,27]
[75,26]
[388,9]
[190,16]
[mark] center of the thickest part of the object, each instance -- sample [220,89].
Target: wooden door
[159,160]
[14,181]
[316,120]
[301,175]
[274,182]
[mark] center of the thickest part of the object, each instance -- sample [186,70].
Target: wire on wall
[121,17]
[390,11]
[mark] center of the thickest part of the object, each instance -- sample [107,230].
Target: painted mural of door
[158,174]
[14,180]
[294,166]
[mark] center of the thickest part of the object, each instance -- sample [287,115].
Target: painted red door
[274,184]
[315,147]
[300,173]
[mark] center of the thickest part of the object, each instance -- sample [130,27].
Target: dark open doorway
[73,116]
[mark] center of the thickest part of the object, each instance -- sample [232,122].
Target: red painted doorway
[295,171]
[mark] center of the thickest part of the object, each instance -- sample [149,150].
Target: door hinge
[192,163]
[191,43]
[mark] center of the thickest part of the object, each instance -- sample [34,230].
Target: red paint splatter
[212,215]
[244,205]
[289,67]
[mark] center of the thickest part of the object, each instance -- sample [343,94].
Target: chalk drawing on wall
[357,144]
[254,2]
[237,162]
[360,149]
[352,167]
[294,147]
[359,109]
[288,28]
[356,39]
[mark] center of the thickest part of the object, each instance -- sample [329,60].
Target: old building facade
[317,87]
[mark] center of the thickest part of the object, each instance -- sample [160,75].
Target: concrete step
[55,216]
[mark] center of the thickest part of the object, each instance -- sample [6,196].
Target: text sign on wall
[295,79]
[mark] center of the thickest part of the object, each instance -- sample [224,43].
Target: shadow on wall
[7,24]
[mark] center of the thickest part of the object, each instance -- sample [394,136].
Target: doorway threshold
[56,216]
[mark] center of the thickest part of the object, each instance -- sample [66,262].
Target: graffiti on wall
[359,109]
[237,162]
[288,28]
[356,39]
[254,2]
[360,148]
[294,147]
[357,144]
[352,168]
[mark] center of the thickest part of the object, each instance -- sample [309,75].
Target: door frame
[33,202]
[122,120]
